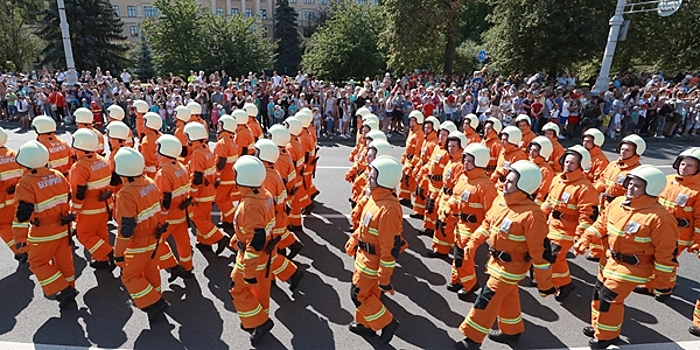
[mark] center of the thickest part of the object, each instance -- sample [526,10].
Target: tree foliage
[18,43]
[286,33]
[144,63]
[347,44]
[95,31]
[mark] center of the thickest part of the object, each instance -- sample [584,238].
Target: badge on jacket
[565,197]
[681,200]
[632,227]
[367,219]
[620,179]
[505,225]
[465,196]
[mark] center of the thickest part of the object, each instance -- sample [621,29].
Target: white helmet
[44,124]
[433,121]
[448,126]
[116,129]
[305,109]
[597,135]
[304,118]
[583,156]
[389,171]
[473,120]
[456,135]
[480,153]
[375,135]
[496,124]
[195,108]
[3,137]
[85,140]
[371,124]
[639,144]
[370,118]
[267,150]
[250,171]
[241,117]
[653,177]
[362,111]
[251,109]
[196,132]
[115,112]
[382,148]
[417,115]
[82,116]
[514,134]
[529,175]
[545,146]
[153,121]
[169,146]
[32,155]
[552,127]
[228,123]
[182,113]
[693,152]
[141,106]
[279,135]
[522,117]
[128,162]
[293,125]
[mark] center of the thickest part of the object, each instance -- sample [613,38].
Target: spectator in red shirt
[536,110]
[57,104]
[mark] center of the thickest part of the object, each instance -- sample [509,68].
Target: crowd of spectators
[655,105]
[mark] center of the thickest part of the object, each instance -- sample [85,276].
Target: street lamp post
[601,84]
[71,74]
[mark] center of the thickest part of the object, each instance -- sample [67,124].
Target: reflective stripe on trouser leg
[282,267]
[443,239]
[141,276]
[465,275]
[166,258]
[487,307]
[251,301]
[560,268]
[207,233]
[405,191]
[92,234]
[52,265]
[371,312]
[182,242]
[611,309]
[510,318]
[224,202]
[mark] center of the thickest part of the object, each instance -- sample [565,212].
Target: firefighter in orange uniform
[59,150]
[202,170]
[612,178]
[310,158]
[10,173]
[375,150]
[41,223]
[524,123]
[310,128]
[253,221]
[116,113]
[195,114]
[173,180]
[359,165]
[551,131]
[281,267]
[641,237]
[141,108]
[252,121]
[359,135]
[444,236]
[571,207]
[539,150]
[296,151]
[411,157]
[182,117]
[517,233]
[376,245]
[118,136]
[244,137]
[593,140]
[226,154]
[470,200]
[492,141]
[430,141]
[510,153]
[469,125]
[83,120]
[139,229]
[359,182]
[147,144]
[91,198]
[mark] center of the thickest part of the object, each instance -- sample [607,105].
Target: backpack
[590,110]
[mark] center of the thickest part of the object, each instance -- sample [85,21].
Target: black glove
[217,183]
[387,288]
[550,291]
[103,197]
[253,280]
[430,206]
[186,203]
[67,219]
[11,190]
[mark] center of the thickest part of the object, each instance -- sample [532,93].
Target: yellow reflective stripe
[150,169]
[663,268]
[441,242]
[51,279]
[210,171]
[608,328]
[476,205]
[7,203]
[250,255]
[642,239]
[205,199]
[511,321]
[10,174]
[477,326]
[373,231]
[595,231]
[70,279]
[177,221]
[51,202]
[185,258]
[77,206]
[482,231]
[496,270]
[93,211]
[97,184]
[360,266]
[140,249]
[688,209]
[54,237]
[210,233]
[181,191]
[58,162]
[96,246]
[560,275]
[376,316]
[232,159]
[251,313]
[684,243]
[20,225]
[557,235]
[148,212]
[11,242]
[625,277]
[166,256]
[615,230]
[142,293]
[584,225]
[387,264]
[285,263]
[516,238]
[227,182]
[541,266]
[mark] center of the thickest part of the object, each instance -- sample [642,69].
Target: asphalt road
[317,314]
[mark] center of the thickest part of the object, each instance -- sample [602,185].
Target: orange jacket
[509,155]
[10,173]
[296,151]
[610,181]
[244,140]
[357,150]
[140,124]
[285,167]
[255,212]
[572,205]
[312,131]
[430,141]
[100,139]
[89,179]
[41,199]
[471,199]
[450,176]
[514,225]
[173,180]
[642,227]
[598,163]
[255,128]
[307,142]
[225,155]
[547,176]
[557,152]
[114,146]
[681,198]
[358,167]
[202,173]
[411,156]
[493,143]
[526,139]
[472,136]
[180,134]
[434,170]
[379,236]
[59,152]
[275,186]
[149,150]
[138,201]
[198,119]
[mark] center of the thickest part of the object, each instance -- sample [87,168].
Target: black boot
[694,331]
[295,228]
[406,202]
[602,344]
[436,255]
[416,216]
[588,331]
[360,329]
[294,249]
[498,336]
[454,287]
[261,330]
[464,294]
[156,310]
[102,265]
[22,258]
[295,279]
[179,271]
[427,232]
[203,247]
[388,332]
[222,244]
[225,225]
[564,291]
[467,344]
[66,297]
[643,290]
[249,330]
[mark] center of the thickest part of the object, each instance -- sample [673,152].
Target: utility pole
[71,74]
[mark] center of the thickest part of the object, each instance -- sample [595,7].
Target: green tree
[18,43]
[95,31]
[347,44]
[286,33]
[144,62]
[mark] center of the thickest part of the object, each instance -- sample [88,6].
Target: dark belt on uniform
[471,218]
[436,178]
[490,168]
[608,197]
[563,217]
[632,259]
[241,246]
[409,156]
[505,256]
[369,248]
[683,223]
[447,191]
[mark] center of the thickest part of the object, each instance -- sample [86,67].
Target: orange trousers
[92,234]
[654,284]
[181,236]
[252,301]
[430,217]
[369,310]
[282,267]
[420,201]
[140,274]
[444,236]
[207,233]
[224,201]
[52,262]
[560,267]
[497,301]
[465,274]
[407,187]
[696,313]
[299,201]
[288,238]
[607,307]
[6,215]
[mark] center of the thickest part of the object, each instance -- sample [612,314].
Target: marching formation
[157,186]
[532,201]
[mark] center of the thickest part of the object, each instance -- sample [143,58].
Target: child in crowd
[317,121]
[278,114]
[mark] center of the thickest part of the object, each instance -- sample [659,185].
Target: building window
[262,0]
[293,1]
[234,12]
[116,10]
[219,11]
[131,11]
[324,2]
[150,11]
[263,14]
[309,1]
[248,13]
[362,2]
[134,30]
[308,15]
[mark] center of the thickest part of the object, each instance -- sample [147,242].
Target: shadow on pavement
[159,336]
[108,310]
[18,287]
[63,330]
[416,330]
